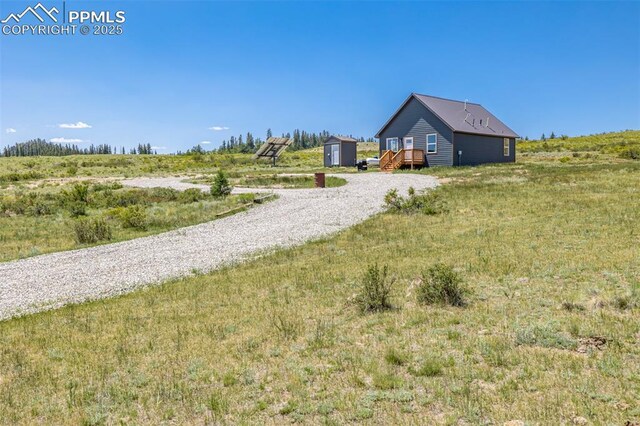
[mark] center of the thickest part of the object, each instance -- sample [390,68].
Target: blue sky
[181,68]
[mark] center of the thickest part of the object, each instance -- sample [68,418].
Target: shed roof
[459,116]
[341,138]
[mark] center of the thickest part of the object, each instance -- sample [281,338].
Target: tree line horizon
[246,144]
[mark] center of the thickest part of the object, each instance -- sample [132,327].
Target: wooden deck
[390,161]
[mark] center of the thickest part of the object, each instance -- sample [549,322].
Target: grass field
[16,170]
[46,218]
[547,247]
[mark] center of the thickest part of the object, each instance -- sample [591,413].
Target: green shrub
[77,208]
[131,216]
[126,198]
[220,186]
[91,230]
[376,289]
[40,208]
[428,202]
[191,195]
[15,177]
[78,193]
[631,154]
[441,285]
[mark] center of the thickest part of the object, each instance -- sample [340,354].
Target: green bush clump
[191,195]
[631,154]
[131,216]
[15,177]
[92,230]
[441,285]
[29,204]
[220,186]
[375,292]
[429,202]
[77,208]
[78,193]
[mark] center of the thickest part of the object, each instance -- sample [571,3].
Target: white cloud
[218,128]
[78,125]
[158,147]
[65,140]
[10,130]
[205,142]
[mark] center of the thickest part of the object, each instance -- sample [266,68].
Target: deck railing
[385,159]
[394,160]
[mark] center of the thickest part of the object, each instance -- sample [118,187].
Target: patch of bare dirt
[591,343]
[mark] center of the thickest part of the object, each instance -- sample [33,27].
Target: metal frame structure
[272,148]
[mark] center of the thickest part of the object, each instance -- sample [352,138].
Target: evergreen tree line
[249,144]
[235,144]
[39,146]
[551,136]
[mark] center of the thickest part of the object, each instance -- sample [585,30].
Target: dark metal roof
[341,138]
[459,116]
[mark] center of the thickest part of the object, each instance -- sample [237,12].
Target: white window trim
[427,143]
[389,139]
[404,141]
[506,143]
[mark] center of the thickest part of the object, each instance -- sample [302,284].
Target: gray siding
[348,152]
[415,120]
[477,149]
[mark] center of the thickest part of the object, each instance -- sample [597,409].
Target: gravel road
[298,215]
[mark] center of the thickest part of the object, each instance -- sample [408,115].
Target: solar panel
[272,148]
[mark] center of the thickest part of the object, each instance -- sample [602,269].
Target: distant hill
[625,144]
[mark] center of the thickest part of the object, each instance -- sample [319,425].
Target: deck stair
[390,161]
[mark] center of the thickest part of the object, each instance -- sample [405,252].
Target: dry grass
[549,247]
[275,340]
[24,233]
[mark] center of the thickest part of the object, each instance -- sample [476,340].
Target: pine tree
[220,186]
[552,135]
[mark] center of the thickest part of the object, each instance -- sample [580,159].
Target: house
[431,131]
[340,151]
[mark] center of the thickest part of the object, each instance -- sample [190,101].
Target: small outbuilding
[340,151]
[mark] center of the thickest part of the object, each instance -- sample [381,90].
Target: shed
[340,151]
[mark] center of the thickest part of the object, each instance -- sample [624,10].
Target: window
[407,142]
[392,144]
[432,143]
[505,147]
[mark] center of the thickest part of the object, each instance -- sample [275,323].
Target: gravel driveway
[298,215]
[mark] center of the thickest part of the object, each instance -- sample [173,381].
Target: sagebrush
[440,284]
[375,293]
[92,230]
